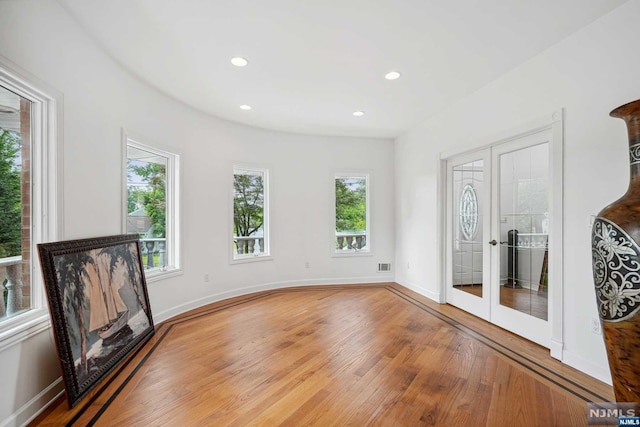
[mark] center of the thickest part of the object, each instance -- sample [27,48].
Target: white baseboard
[30,410]
[182,308]
[422,291]
[556,348]
[597,371]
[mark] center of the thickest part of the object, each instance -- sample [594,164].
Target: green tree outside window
[351,204]
[10,194]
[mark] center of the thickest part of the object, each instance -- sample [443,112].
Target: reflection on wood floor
[525,300]
[475,289]
[375,354]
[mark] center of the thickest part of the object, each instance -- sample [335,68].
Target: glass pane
[15,203]
[147,204]
[351,214]
[468,186]
[524,207]
[248,213]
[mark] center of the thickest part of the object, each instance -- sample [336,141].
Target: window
[152,206]
[15,209]
[28,204]
[250,213]
[352,230]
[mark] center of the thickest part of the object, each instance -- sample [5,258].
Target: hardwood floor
[335,355]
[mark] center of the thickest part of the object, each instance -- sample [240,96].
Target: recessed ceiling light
[392,75]
[239,61]
[358,113]
[245,107]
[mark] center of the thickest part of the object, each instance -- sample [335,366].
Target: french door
[497,234]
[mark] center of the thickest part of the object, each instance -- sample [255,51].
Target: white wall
[100,99]
[588,74]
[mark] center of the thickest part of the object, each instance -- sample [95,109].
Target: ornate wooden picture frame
[99,306]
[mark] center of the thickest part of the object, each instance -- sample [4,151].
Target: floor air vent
[383,268]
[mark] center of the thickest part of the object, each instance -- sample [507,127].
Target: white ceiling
[313,63]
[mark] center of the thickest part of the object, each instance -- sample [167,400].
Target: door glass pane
[468,186]
[524,206]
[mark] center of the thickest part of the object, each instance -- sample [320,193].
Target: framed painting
[98,304]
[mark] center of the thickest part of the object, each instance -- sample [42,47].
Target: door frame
[554,123]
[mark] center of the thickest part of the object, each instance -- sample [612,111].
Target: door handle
[493,242]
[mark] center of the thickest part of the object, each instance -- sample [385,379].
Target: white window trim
[267,255]
[46,192]
[367,174]
[173,217]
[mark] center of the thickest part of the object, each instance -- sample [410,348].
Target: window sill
[157,275]
[251,259]
[20,328]
[347,254]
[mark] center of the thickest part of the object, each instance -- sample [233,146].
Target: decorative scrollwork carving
[616,271]
[468,212]
[634,154]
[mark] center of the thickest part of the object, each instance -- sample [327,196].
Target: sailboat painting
[99,306]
